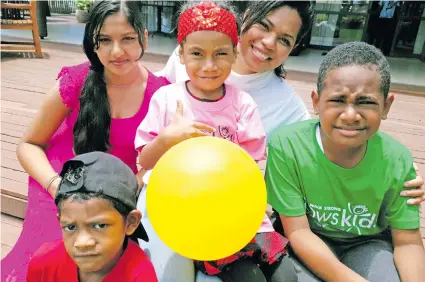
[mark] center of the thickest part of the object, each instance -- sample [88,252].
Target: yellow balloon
[206,198]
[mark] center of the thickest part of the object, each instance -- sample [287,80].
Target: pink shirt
[235,118]
[122,130]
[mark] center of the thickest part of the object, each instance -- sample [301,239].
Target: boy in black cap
[96,200]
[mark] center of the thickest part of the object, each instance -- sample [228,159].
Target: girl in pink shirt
[205,105]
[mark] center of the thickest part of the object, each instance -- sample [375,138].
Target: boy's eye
[366,103]
[128,38]
[104,40]
[336,101]
[69,228]
[196,53]
[222,54]
[100,226]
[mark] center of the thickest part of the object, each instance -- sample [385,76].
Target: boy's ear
[181,55]
[315,100]
[387,105]
[58,217]
[133,221]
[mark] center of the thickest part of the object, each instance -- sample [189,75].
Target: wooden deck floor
[11,227]
[25,80]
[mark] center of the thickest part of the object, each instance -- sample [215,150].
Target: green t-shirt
[340,203]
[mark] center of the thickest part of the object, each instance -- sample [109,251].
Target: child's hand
[182,128]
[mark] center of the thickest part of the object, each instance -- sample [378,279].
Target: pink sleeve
[153,123]
[71,81]
[250,132]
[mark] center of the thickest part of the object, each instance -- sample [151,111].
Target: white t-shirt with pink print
[235,118]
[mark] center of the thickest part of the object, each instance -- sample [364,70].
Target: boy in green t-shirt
[336,181]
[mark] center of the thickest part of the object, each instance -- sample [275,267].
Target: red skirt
[268,247]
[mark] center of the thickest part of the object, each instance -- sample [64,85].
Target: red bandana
[207,16]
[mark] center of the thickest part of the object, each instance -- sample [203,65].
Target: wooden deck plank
[8,146]
[10,132]
[12,164]
[13,206]
[5,249]
[10,220]
[26,87]
[12,129]
[5,154]
[10,234]
[16,95]
[9,139]
[11,228]
[16,119]
[9,173]
[17,188]
[17,108]
[12,109]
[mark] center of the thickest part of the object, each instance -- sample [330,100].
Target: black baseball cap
[101,172]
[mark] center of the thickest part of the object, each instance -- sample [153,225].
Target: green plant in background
[321,17]
[84,5]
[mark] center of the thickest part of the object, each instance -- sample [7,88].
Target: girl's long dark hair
[256,11]
[91,130]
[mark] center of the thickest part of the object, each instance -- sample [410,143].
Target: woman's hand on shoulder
[415,189]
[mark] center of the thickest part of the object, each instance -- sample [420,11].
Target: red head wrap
[207,16]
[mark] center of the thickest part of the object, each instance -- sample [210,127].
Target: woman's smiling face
[267,43]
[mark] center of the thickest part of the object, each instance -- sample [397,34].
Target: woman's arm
[31,148]
[409,254]
[314,252]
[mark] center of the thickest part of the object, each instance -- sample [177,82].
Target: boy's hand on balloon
[182,128]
